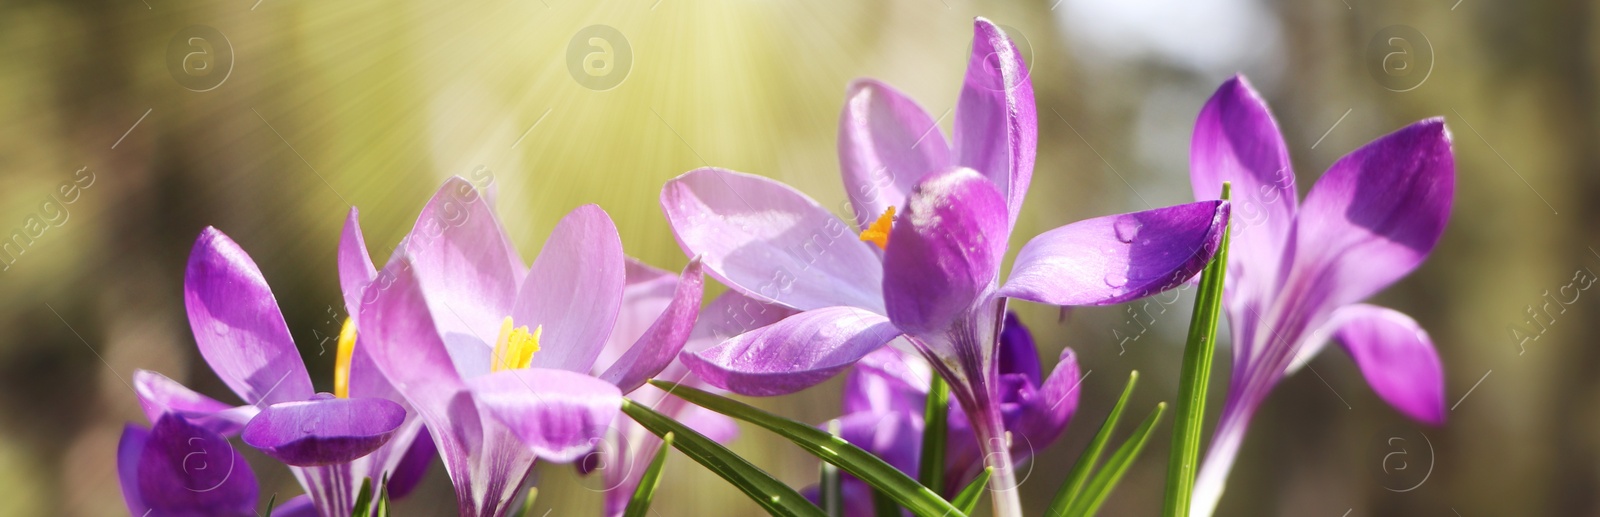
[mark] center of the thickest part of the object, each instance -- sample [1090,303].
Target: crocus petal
[413,466]
[408,349]
[887,380]
[646,294]
[1375,215]
[996,127]
[665,339]
[1044,412]
[1397,358]
[771,242]
[159,395]
[323,431]
[237,325]
[1118,258]
[887,143]
[559,414]
[792,354]
[355,265]
[1236,140]
[462,260]
[574,290]
[945,251]
[1018,354]
[187,470]
[129,447]
[895,437]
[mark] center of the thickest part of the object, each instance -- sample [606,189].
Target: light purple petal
[887,380]
[730,314]
[996,127]
[187,470]
[559,414]
[1237,140]
[355,265]
[665,339]
[574,290]
[129,447]
[887,143]
[408,350]
[323,431]
[945,251]
[770,242]
[1117,258]
[159,395]
[792,354]
[1397,358]
[237,325]
[465,265]
[1375,215]
[647,293]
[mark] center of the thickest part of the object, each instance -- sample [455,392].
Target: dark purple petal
[1375,215]
[1117,258]
[886,145]
[771,242]
[187,470]
[574,290]
[1397,358]
[1018,354]
[559,414]
[129,447]
[159,395]
[665,339]
[945,252]
[996,128]
[792,354]
[323,431]
[464,263]
[1043,413]
[237,325]
[413,466]
[1236,140]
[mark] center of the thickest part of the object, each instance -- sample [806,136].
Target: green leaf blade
[773,496]
[1091,455]
[967,500]
[935,433]
[1198,353]
[1106,480]
[639,505]
[905,491]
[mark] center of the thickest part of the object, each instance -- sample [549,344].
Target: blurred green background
[372,103]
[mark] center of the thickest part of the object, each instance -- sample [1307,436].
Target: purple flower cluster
[456,349]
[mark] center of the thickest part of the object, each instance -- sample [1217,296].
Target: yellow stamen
[341,361]
[878,233]
[515,346]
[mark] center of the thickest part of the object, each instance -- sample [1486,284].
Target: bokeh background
[326,105]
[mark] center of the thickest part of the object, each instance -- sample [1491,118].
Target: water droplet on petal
[1127,228]
[1117,279]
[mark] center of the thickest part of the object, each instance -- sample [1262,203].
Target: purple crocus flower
[933,277]
[450,318]
[332,442]
[1296,274]
[885,394]
[629,447]
[180,469]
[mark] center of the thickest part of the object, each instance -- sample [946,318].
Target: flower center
[341,362]
[878,233]
[515,346]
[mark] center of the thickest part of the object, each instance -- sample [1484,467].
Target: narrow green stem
[935,429]
[1192,385]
